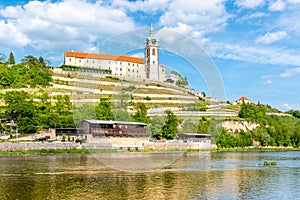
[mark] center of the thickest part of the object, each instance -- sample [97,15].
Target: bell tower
[151,56]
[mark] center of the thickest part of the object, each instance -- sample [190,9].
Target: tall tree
[169,130]
[104,110]
[21,107]
[141,113]
[11,59]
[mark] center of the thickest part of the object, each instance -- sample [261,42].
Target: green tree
[104,110]
[154,129]
[252,112]
[189,126]
[62,112]
[141,113]
[11,59]
[169,130]
[203,125]
[21,107]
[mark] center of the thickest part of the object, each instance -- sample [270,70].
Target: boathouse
[101,128]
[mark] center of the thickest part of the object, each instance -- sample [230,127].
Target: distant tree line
[273,130]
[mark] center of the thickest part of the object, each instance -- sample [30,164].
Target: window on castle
[80,61]
[128,64]
[153,62]
[133,64]
[120,69]
[153,52]
[70,59]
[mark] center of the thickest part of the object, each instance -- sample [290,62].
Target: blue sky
[254,43]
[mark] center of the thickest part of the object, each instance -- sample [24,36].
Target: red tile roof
[104,57]
[243,98]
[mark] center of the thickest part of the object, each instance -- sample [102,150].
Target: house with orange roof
[122,66]
[243,99]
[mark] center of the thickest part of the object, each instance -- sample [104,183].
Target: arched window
[153,52]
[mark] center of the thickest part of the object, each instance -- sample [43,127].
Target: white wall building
[123,66]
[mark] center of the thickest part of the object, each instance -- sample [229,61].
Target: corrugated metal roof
[93,121]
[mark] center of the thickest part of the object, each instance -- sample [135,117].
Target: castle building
[123,66]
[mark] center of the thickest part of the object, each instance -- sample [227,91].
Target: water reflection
[192,176]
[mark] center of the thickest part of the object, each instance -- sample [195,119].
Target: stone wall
[37,146]
[161,145]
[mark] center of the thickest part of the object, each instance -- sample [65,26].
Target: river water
[229,175]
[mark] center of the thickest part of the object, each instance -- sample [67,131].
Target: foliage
[141,113]
[169,81]
[84,111]
[31,72]
[104,110]
[229,140]
[295,113]
[20,107]
[273,131]
[147,98]
[182,82]
[189,126]
[154,129]
[63,137]
[32,111]
[195,107]
[203,125]
[169,130]
[252,112]
[176,73]
[85,69]
[11,59]
[129,88]
[120,105]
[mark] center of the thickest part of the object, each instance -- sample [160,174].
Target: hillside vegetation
[49,99]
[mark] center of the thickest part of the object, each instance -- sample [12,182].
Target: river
[204,175]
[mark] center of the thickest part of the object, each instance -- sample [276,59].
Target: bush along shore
[257,149]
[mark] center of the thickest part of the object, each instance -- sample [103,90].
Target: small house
[243,99]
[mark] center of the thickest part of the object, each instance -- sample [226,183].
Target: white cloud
[278,5]
[269,38]
[138,55]
[268,81]
[253,16]
[268,76]
[288,106]
[195,19]
[10,36]
[254,54]
[290,72]
[249,3]
[64,24]
[144,6]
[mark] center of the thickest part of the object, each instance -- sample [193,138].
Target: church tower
[151,57]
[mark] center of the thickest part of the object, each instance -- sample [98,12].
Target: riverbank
[86,151]
[256,149]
